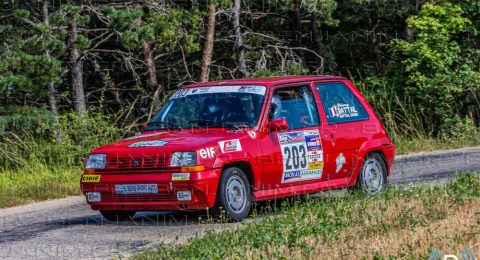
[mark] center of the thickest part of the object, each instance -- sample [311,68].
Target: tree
[239,47]
[208,46]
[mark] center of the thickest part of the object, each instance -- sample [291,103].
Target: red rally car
[223,145]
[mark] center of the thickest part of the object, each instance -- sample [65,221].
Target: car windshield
[202,107]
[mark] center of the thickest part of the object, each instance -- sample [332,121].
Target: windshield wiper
[165,123]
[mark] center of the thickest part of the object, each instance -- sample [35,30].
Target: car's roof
[268,81]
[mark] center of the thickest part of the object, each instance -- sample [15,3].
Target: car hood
[182,140]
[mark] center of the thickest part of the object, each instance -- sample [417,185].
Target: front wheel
[117,215]
[372,178]
[233,195]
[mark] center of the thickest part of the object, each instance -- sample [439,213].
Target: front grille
[157,164]
[139,197]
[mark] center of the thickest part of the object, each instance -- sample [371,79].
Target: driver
[212,111]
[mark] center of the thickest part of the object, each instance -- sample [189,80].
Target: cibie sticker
[233,145]
[302,155]
[340,161]
[91,178]
[156,143]
[342,111]
[180,176]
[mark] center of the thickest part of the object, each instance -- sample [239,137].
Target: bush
[28,140]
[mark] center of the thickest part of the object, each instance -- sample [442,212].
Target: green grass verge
[423,144]
[303,229]
[41,183]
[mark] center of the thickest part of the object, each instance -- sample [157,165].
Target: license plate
[136,188]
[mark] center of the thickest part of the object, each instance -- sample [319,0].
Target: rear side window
[340,104]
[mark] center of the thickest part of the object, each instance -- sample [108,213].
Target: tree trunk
[77,73]
[295,24]
[148,55]
[52,103]
[316,34]
[208,48]
[239,48]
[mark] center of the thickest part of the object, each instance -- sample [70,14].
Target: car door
[295,155]
[344,128]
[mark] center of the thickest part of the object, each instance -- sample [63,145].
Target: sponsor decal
[312,138]
[157,143]
[342,111]
[315,165]
[91,178]
[315,156]
[94,196]
[184,195]
[252,134]
[252,89]
[302,155]
[230,146]
[302,175]
[207,152]
[259,90]
[291,138]
[180,176]
[340,161]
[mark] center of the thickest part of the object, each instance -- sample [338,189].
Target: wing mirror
[278,124]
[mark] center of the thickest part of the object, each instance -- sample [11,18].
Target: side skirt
[301,189]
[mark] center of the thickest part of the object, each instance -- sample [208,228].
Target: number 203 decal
[302,155]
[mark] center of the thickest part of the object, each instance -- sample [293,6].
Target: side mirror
[277,125]
[143,126]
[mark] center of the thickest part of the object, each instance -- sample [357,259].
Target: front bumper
[202,185]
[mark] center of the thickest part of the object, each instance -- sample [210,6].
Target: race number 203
[296,148]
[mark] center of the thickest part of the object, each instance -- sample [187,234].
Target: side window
[340,104]
[296,105]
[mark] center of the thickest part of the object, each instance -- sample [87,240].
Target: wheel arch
[246,167]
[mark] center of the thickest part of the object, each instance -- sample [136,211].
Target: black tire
[236,206]
[117,215]
[372,178]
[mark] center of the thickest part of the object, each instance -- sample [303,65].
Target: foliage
[27,142]
[416,62]
[299,227]
[439,67]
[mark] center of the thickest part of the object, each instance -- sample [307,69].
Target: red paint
[260,149]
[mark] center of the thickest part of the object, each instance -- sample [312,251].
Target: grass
[400,223]
[41,183]
[405,145]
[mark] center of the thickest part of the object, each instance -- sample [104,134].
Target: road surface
[67,228]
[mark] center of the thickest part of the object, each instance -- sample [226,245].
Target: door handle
[332,139]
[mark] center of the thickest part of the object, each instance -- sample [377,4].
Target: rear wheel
[233,195]
[372,178]
[117,215]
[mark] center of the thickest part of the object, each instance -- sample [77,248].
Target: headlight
[96,161]
[183,159]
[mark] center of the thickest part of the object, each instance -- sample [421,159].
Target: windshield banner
[259,90]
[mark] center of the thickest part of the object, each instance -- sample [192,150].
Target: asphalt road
[67,228]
